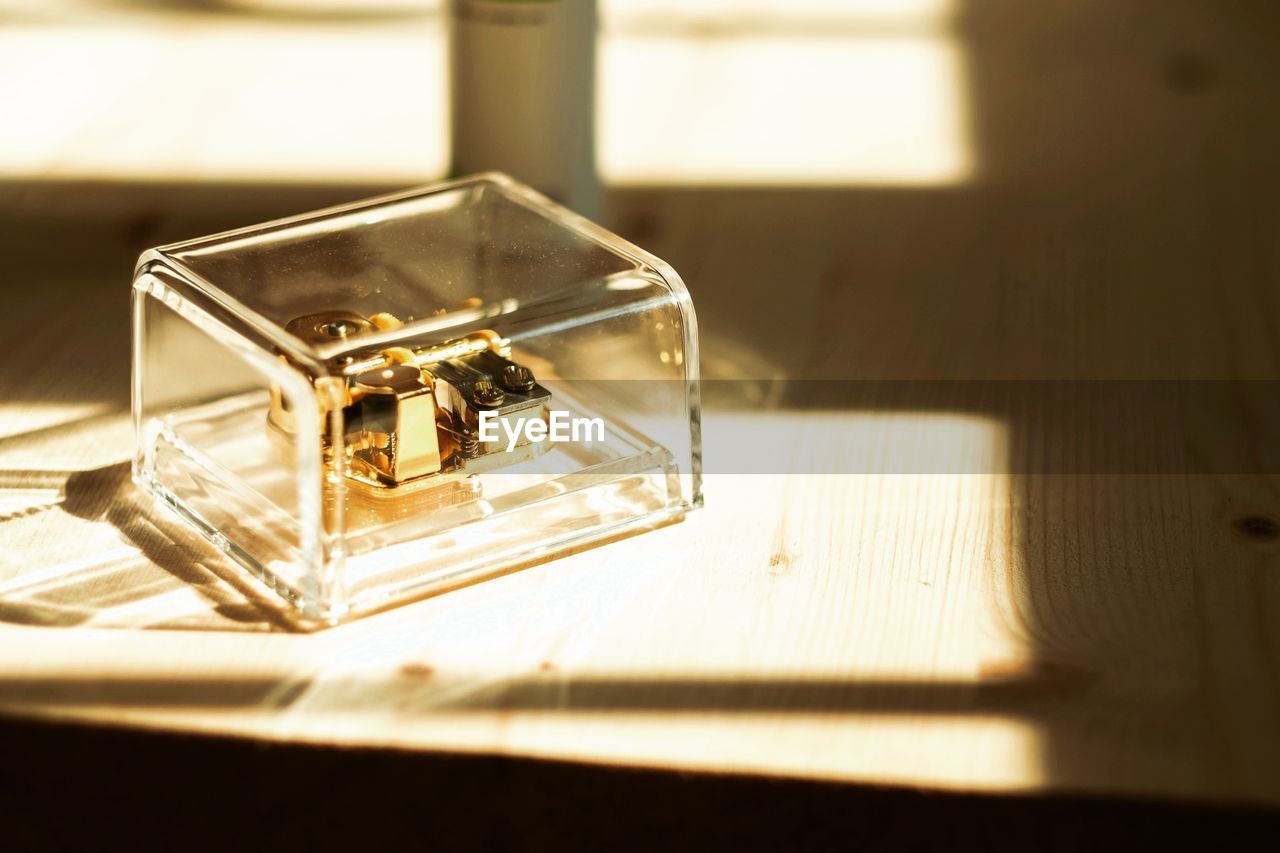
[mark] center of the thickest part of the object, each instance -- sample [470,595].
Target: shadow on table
[1027,693]
[160,576]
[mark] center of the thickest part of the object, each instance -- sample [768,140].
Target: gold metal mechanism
[411,414]
[398,439]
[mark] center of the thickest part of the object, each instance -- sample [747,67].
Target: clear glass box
[346,402]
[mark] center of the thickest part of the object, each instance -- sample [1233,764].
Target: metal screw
[517,378]
[337,328]
[468,444]
[486,393]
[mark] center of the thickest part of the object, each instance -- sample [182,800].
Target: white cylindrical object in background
[523,94]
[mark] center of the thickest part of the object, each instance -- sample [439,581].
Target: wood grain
[1088,601]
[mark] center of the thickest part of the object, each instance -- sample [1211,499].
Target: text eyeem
[558,426]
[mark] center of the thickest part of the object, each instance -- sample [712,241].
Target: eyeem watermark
[558,426]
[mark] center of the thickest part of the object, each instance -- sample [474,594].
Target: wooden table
[1043,557]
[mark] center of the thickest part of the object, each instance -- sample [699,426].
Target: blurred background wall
[866,163]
